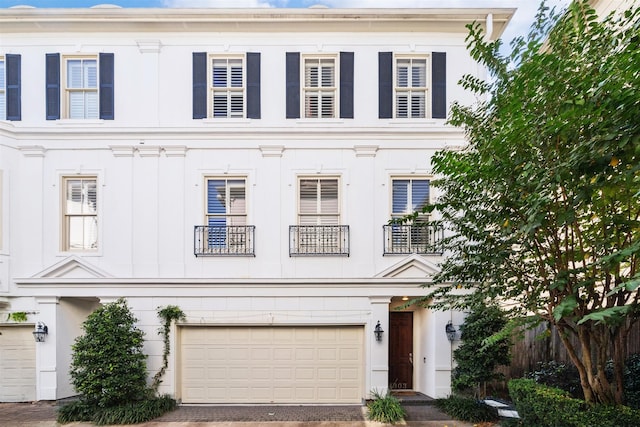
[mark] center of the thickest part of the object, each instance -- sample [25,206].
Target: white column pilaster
[46,352]
[379,349]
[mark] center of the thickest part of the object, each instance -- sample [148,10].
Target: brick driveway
[43,414]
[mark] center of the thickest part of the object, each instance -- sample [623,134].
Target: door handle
[411,358]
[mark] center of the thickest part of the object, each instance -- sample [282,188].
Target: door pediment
[72,267]
[414,266]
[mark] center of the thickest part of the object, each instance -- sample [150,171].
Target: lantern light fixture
[378,331]
[41,332]
[450,331]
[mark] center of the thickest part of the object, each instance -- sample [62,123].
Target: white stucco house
[242,165]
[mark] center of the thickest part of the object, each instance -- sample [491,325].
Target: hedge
[542,406]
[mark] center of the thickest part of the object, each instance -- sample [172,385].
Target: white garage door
[17,364]
[271,364]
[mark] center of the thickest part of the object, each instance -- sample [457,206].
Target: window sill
[224,121]
[315,122]
[79,122]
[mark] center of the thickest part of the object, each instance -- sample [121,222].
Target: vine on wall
[167,314]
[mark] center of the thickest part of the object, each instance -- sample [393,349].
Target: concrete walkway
[43,414]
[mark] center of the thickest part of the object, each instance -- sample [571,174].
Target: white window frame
[86,90]
[409,209]
[409,90]
[320,91]
[318,214]
[229,91]
[90,243]
[3,88]
[230,218]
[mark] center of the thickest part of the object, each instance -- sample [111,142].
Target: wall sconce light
[450,330]
[378,331]
[41,331]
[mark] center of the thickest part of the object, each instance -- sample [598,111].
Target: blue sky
[518,26]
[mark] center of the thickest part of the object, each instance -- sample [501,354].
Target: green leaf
[565,307]
[607,315]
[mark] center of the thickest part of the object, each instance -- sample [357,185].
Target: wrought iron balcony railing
[413,239]
[305,240]
[229,240]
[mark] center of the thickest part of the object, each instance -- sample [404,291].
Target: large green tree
[543,205]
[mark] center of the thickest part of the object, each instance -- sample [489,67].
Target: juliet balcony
[224,240]
[423,239]
[319,240]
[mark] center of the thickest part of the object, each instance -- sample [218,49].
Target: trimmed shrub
[467,409]
[108,366]
[476,358]
[560,375]
[542,406]
[385,409]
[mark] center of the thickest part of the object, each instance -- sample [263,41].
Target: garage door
[271,364]
[17,364]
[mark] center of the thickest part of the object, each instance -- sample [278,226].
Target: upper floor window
[226,231]
[3,93]
[319,87]
[80,214]
[226,201]
[10,87]
[319,231]
[80,86]
[409,195]
[226,86]
[318,201]
[325,83]
[412,86]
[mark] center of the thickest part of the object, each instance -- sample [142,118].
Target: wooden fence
[543,344]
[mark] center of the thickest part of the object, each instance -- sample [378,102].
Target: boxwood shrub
[542,406]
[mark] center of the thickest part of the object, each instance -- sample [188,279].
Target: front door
[401,350]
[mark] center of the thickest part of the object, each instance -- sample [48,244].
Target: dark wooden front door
[401,350]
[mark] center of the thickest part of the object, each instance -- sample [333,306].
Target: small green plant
[467,409]
[385,408]
[167,314]
[18,316]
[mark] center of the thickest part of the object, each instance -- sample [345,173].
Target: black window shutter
[439,85]
[346,85]
[106,86]
[199,85]
[13,87]
[53,86]
[385,85]
[253,85]
[293,85]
